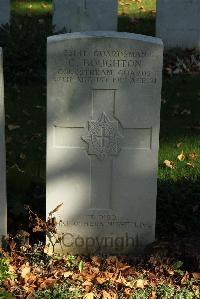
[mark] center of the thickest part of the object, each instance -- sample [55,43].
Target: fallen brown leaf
[48,282]
[101,280]
[193,156]
[106,295]
[142,8]
[140,283]
[181,156]
[179,144]
[153,295]
[26,269]
[169,164]
[13,127]
[196,275]
[89,296]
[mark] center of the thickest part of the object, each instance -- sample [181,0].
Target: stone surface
[3,209]
[4,12]
[103,138]
[85,15]
[178,23]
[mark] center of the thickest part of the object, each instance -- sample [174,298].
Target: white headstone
[4,12]
[103,137]
[3,209]
[85,15]
[178,23]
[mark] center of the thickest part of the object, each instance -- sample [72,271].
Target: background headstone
[85,15]
[4,12]
[3,209]
[178,23]
[103,138]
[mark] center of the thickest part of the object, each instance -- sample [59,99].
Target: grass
[137,16]
[129,7]
[36,7]
[178,189]
[176,128]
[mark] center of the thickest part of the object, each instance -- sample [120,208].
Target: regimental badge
[103,137]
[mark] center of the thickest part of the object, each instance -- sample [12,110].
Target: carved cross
[103,137]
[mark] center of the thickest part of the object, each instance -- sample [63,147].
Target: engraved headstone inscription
[3,209]
[103,137]
[178,24]
[85,15]
[4,12]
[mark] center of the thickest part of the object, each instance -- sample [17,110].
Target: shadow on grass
[178,222]
[142,24]
[24,46]
[25,189]
[178,209]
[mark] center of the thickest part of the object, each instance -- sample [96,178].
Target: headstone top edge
[105,34]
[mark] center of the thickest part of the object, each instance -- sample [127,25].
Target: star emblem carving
[103,137]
